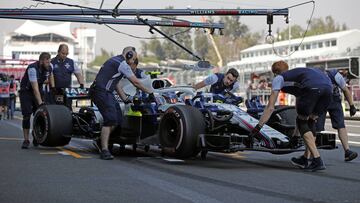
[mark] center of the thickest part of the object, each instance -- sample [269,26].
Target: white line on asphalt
[349,134]
[353,126]
[353,135]
[350,142]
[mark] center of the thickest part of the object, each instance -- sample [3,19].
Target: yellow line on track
[71,153]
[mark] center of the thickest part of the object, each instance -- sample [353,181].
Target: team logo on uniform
[67,65]
[56,66]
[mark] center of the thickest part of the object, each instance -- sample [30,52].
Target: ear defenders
[129,55]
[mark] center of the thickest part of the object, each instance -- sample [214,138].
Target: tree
[155,47]
[100,59]
[321,26]
[233,27]
[296,32]
[317,26]
[201,43]
[236,38]
[144,48]
[182,36]
[166,49]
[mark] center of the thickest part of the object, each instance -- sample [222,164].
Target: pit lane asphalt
[75,174]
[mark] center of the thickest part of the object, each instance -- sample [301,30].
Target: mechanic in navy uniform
[64,67]
[101,93]
[220,83]
[336,112]
[31,92]
[313,92]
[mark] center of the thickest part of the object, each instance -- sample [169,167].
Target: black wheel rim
[171,130]
[40,128]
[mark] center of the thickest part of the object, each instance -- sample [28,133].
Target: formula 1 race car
[182,123]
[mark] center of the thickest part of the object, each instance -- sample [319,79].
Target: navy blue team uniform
[311,87]
[101,91]
[27,98]
[313,92]
[335,109]
[219,87]
[62,72]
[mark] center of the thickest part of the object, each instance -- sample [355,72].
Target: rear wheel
[179,131]
[51,125]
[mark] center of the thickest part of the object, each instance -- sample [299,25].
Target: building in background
[25,44]
[256,61]
[84,47]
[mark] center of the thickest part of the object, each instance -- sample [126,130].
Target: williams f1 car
[182,123]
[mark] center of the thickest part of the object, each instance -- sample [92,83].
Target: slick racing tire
[50,125]
[286,116]
[179,131]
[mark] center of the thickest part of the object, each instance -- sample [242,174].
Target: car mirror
[200,66]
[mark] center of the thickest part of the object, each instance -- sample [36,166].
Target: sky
[342,11]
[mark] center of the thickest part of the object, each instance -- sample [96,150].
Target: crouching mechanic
[336,112]
[313,90]
[220,83]
[31,93]
[101,93]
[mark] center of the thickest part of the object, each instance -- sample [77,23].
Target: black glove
[81,86]
[152,97]
[352,110]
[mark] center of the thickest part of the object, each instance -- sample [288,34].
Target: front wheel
[179,131]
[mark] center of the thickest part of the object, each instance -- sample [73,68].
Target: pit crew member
[336,112]
[220,82]
[31,93]
[101,93]
[313,92]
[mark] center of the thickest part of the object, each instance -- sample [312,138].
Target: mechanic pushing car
[221,82]
[313,92]
[31,93]
[336,112]
[101,93]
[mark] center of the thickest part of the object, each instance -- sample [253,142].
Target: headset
[129,55]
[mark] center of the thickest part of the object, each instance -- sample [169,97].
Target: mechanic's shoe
[106,155]
[350,155]
[25,144]
[300,161]
[316,165]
